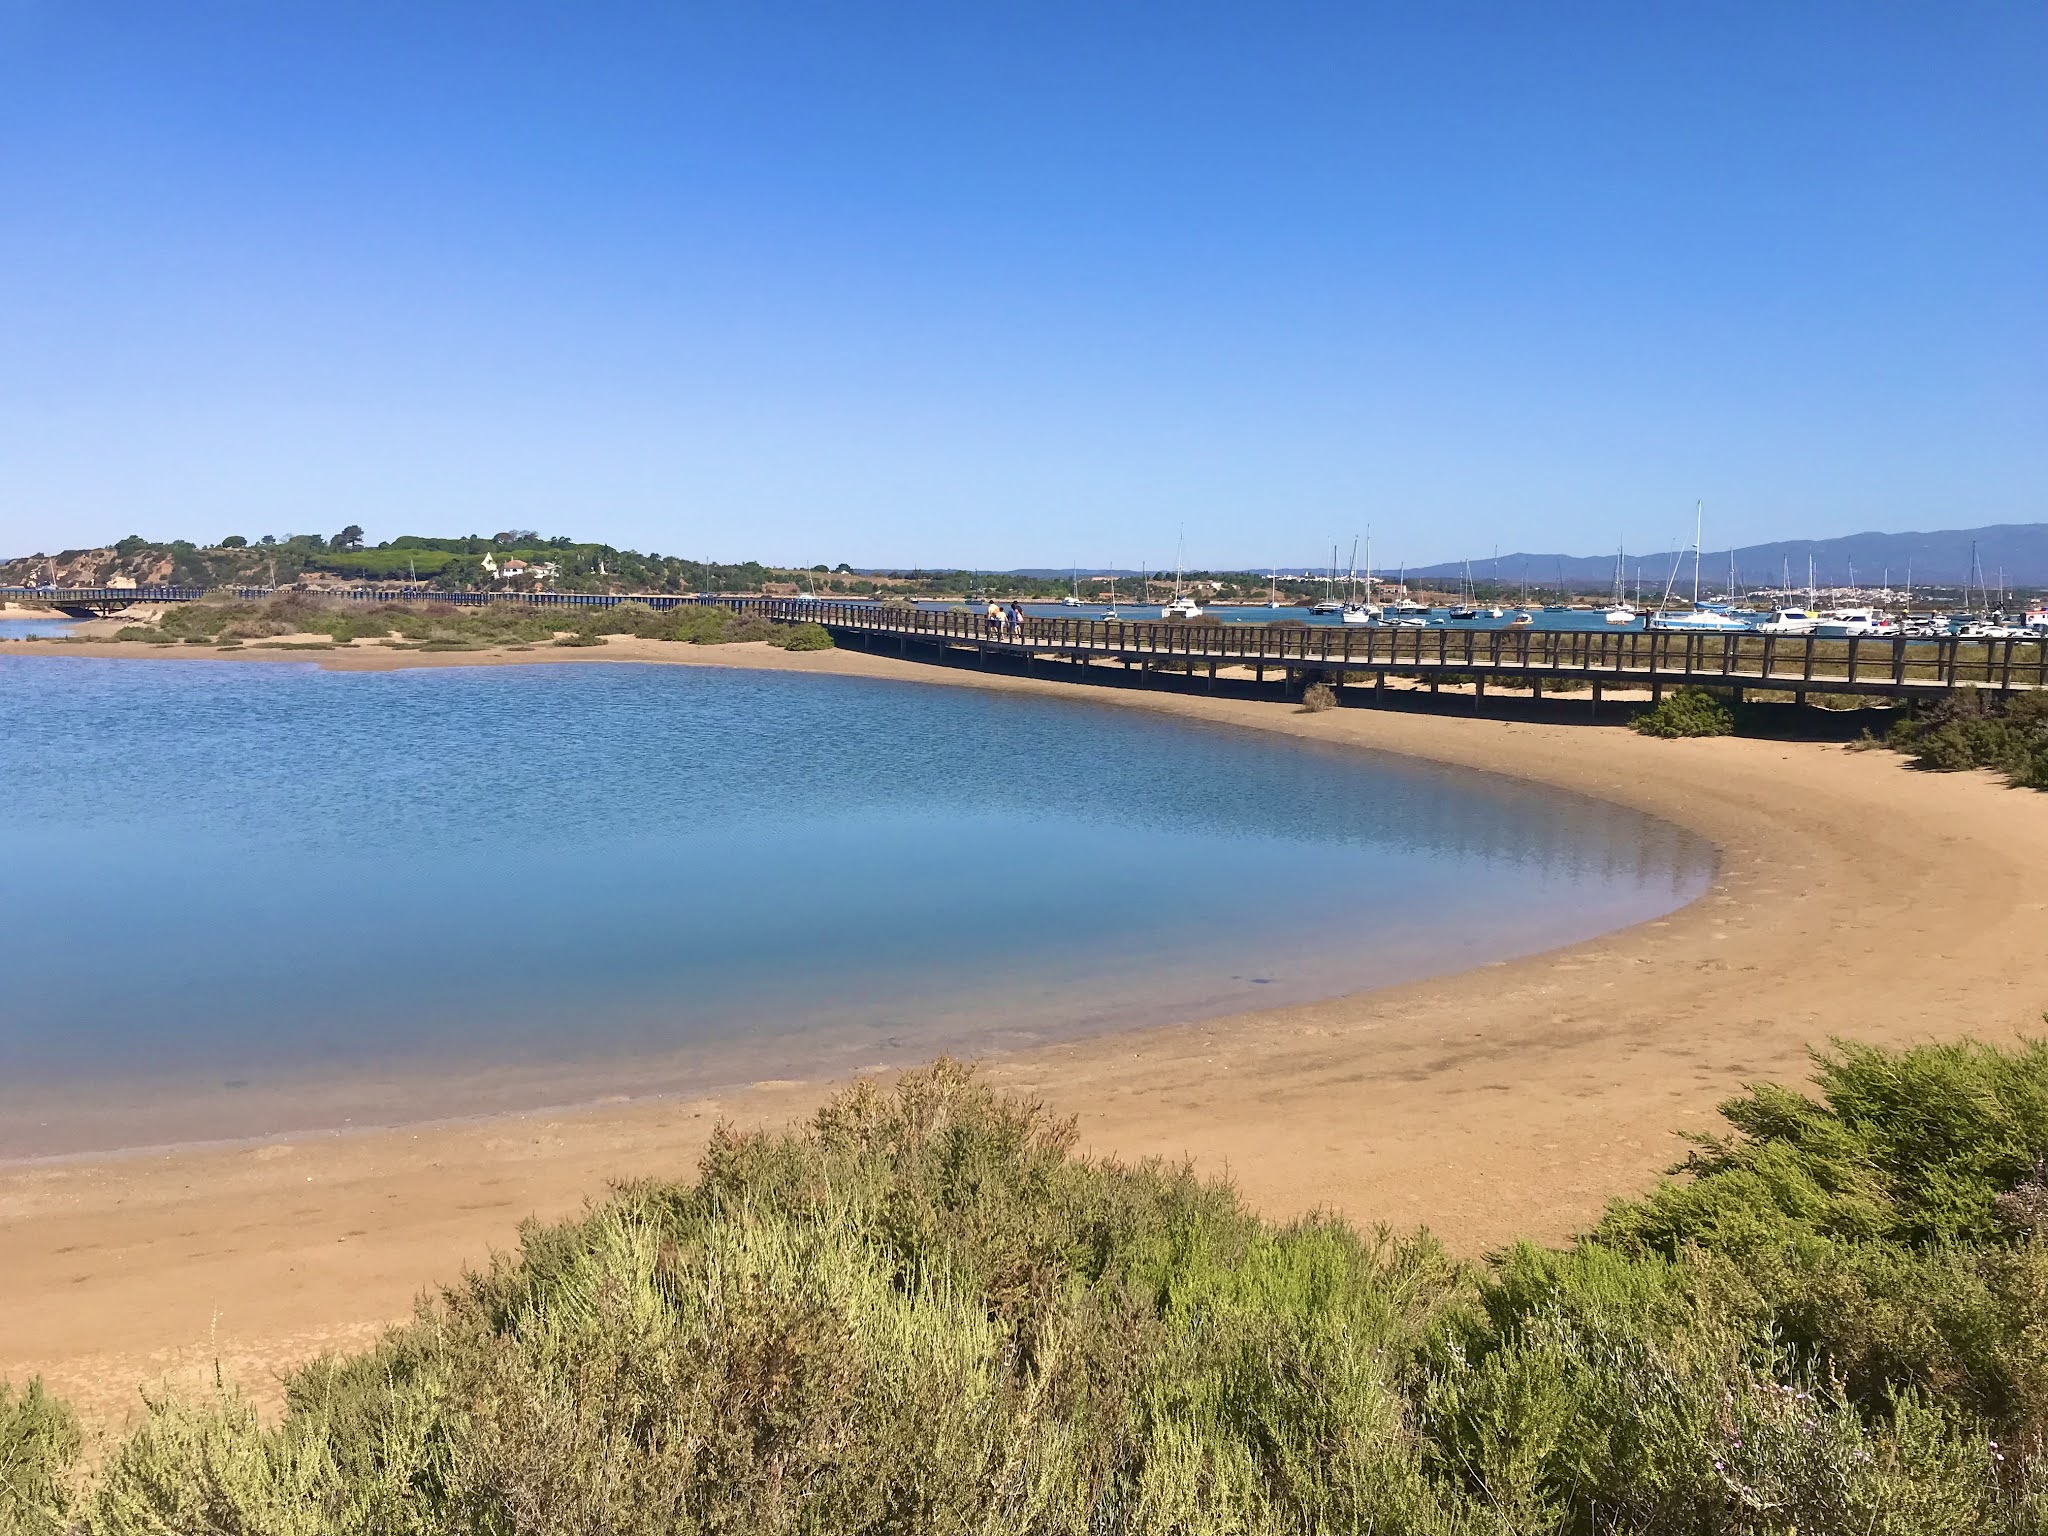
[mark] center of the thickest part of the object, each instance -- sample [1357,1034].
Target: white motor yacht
[1704,621]
[1841,623]
[1182,607]
[1787,621]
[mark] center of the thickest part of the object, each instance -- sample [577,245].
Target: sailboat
[1467,609]
[1696,620]
[1618,611]
[1329,603]
[1355,612]
[1073,597]
[1181,605]
[1273,590]
[1406,609]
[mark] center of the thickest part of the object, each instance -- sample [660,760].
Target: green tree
[349,538]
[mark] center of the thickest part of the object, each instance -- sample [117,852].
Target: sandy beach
[1855,897]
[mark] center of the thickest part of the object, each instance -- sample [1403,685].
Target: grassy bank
[443,626]
[924,1312]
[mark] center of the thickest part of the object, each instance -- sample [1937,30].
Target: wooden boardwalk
[1301,654]
[1526,658]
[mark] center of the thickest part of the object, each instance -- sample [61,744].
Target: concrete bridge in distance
[1292,656]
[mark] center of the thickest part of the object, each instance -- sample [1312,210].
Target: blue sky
[1022,284]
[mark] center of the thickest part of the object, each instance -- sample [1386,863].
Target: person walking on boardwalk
[995,617]
[1017,618]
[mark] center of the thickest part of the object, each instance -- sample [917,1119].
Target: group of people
[1003,620]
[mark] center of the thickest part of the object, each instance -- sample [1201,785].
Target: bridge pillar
[1379,687]
[1656,692]
[1212,674]
[1478,690]
[1594,709]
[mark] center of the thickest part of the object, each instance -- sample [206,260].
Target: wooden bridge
[1528,658]
[98,602]
[1295,655]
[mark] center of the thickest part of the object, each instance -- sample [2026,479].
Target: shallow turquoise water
[23,629]
[248,897]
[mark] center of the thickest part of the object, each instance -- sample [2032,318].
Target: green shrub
[1687,712]
[803,637]
[1979,728]
[925,1312]
[38,1444]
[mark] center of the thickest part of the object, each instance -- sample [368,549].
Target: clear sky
[1030,283]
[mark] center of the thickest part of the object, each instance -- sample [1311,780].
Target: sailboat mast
[1697,511]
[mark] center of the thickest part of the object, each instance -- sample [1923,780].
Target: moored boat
[1787,621]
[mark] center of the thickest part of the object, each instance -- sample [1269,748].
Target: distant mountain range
[1937,559]
[2017,550]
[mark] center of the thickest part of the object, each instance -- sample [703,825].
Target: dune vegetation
[926,1312]
[1980,728]
[444,626]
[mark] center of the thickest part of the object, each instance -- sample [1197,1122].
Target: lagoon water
[244,898]
[36,628]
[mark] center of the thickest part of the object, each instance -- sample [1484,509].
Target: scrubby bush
[38,1444]
[804,637]
[924,1312]
[1687,712]
[445,626]
[1317,697]
[1972,728]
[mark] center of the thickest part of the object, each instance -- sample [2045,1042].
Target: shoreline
[1854,896]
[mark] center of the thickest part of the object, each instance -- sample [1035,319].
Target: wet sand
[1855,897]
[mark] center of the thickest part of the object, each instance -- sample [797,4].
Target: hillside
[447,564]
[1935,559]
